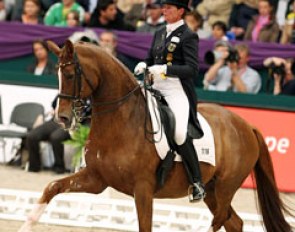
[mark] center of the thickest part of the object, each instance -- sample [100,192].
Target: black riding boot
[191,164]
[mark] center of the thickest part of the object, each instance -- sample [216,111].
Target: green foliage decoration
[78,141]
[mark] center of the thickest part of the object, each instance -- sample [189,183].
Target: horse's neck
[117,100]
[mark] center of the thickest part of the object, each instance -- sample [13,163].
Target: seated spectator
[215,10]
[73,19]
[195,22]
[31,12]
[17,9]
[154,20]
[57,13]
[109,41]
[219,31]
[42,65]
[264,27]
[126,5]
[51,132]
[240,16]
[3,11]
[282,72]
[231,71]
[137,13]
[288,35]
[89,7]
[106,16]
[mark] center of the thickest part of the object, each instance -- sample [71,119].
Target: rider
[173,63]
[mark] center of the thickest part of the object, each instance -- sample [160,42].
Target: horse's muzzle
[64,120]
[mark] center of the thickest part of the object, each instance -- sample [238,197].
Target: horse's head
[74,81]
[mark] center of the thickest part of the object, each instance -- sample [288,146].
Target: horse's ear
[69,47]
[53,47]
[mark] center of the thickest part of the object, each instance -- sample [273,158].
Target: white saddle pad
[205,146]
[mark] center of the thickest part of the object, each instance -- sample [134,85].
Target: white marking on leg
[33,217]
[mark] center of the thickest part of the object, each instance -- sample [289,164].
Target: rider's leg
[190,160]
[178,102]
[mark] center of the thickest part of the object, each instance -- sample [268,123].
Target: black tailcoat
[180,52]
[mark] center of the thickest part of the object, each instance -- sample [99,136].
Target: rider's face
[171,13]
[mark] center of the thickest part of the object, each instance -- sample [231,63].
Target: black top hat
[180,3]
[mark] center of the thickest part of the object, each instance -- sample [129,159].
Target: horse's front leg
[81,181]
[143,195]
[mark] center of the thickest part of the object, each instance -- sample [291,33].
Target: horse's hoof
[26,227]
[210,229]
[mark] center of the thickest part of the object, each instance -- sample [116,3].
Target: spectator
[42,65]
[240,16]
[51,132]
[195,22]
[106,16]
[288,35]
[282,72]
[231,71]
[57,13]
[263,28]
[3,11]
[154,20]
[18,8]
[219,31]
[126,5]
[73,19]
[137,13]
[215,10]
[31,12]
[109,41]
[89,7]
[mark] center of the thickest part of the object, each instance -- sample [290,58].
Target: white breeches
[177,100]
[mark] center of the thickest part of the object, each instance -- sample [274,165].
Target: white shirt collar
[173,26]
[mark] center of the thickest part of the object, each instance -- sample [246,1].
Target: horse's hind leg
[219,204]
[78,182]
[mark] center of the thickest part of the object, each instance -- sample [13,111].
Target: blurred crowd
[251,20]
[223,21]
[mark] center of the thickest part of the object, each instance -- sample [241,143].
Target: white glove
[158,71]
[140,68]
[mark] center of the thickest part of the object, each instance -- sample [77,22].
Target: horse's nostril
[63,119]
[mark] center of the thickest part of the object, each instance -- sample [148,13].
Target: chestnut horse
[118,155]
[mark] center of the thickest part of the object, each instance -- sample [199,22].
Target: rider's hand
[158,71]
[140,68]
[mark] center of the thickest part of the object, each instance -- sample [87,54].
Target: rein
[149,133]
[79,104]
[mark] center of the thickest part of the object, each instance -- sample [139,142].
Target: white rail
[87,210]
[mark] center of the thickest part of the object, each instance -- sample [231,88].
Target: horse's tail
[271,206]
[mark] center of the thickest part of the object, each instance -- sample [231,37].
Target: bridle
[79,105]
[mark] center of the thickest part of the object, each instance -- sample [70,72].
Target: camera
[212,56]
[277,69]
[233,56]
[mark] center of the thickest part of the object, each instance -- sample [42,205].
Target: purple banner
[16,40]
